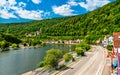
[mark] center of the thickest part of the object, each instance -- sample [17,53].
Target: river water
[16,62]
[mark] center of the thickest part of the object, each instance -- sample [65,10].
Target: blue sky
[27,10]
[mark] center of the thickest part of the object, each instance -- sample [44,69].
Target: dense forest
[91,26]
[7,40]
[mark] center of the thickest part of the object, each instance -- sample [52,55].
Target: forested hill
[92,25]
[20,29]
[102,21]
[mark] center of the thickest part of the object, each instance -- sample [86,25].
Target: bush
[68,57]
[51,58]
[41,64]
[88,47]
[78,50]
[14,45]
[84,45]
[109,47]
[4,45]
[82,53]
[50,61]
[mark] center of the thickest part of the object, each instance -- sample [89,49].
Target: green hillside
[102,21]
[20,29]
[7,40]
[90,26]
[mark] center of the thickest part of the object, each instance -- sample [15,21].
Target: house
[116,47]
[70,41]
[104,42]
[60,41]
[78,41]
[116,43]
[108,40]
[66,42]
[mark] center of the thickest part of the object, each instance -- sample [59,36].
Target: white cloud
[12,9]
[5,8]
[64,10]
[6,15]
[36,1]
[72,3]
[89,5]
[12,2]
[93,4]
[2,2]
[21,4]
[26,14]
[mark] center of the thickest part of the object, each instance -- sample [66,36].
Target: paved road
[91,65]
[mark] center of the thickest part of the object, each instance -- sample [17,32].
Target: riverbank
[24,60]
[55,72]
[63,41]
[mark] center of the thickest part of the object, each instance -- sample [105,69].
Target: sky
[27,10]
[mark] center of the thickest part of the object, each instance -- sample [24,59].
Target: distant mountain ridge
[93,25]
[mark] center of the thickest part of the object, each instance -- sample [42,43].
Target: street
[94,63]
[91,65]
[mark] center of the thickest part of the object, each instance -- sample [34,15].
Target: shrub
[68,57]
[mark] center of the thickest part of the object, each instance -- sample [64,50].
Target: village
[63,41]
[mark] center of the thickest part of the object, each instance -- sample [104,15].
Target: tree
[84,45]
[109,47]
[50,61]
[78,50]
[4,44]
[14,45]
[68,57]
[41,64]
[11,38]
[118,1]
[51,58]
[57,53]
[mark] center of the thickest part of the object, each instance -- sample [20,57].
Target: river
[16,62]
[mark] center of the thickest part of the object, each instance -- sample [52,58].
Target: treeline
[95,24]
[90,26]
[7,40]
[20,29]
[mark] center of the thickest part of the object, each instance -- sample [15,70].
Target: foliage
[68,57]
[51,58]
[118,1]
[41,64]
[90,26]
[7,40]
[84,45]
[57,53]
[10,38]
[50,61]
[91,39]
[79,50]
[14,45]
[4,44]
[109,47]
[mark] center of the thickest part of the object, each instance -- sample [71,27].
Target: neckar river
[16,62]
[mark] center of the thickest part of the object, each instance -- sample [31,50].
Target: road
[93,64]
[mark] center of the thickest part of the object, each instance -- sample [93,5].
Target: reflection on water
[15,62]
